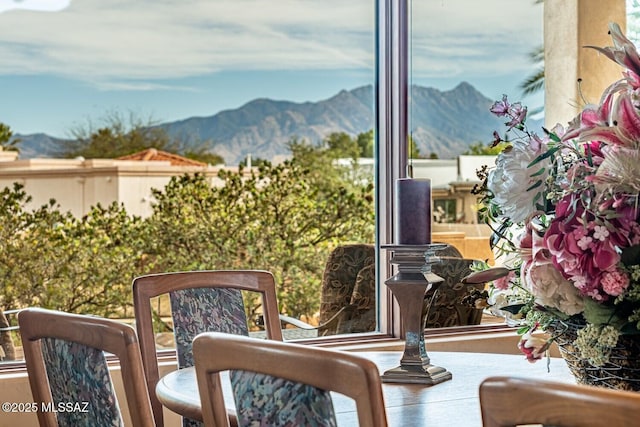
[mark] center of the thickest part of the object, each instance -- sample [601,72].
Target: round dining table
[451,403]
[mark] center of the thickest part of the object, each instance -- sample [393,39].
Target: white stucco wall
[77,185]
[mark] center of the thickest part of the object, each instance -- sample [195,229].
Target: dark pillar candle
[413,211]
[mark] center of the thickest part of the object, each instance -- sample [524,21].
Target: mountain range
[442,122]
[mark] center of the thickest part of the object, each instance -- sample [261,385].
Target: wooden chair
[279,384]
[201,301]
[65,360]
[508,401]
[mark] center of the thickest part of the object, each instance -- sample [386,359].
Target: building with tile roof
[79,184]
[154,155]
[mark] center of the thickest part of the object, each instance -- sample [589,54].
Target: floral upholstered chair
[348,267]
[283,384]
[449,251]
[66,363]
[445,305]
[348,292]
[361,316]
[201,301]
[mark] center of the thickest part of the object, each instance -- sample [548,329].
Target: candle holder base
[409,287]
[412,374]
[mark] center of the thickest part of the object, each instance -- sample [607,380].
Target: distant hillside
[38,145]
[443,122]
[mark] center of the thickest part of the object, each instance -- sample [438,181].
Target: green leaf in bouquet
[589,155]
[550,152]
[512,308]
[631,255]
[601,314]
[552,314]
[552,135]
[630,328]
[539,172]
[535,185]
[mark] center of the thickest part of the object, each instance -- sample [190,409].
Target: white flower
[511,178]
[552,289]
[600,232]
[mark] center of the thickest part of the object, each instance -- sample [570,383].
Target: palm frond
[533,83]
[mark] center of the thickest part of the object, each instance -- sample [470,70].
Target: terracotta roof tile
[151,154]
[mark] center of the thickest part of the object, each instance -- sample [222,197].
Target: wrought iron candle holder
[409,286]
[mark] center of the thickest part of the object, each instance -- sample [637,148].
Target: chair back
[449,251]
[446,308]
[65,359]
[509,401]
[362,314]
[339,281]
[201,301]
[276,383]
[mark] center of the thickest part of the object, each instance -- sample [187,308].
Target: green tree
[414,152]
[204,156]
[7,141]
[119,137]
[284,218]
[334,161]
[115,139]
[54,260]
[481,149]
[535,81]
[278,218]
[365,142]
[342,145]
[255,161]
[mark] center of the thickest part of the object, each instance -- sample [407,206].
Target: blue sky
[70,64]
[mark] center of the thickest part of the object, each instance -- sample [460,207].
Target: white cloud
[116,42]
[38,5]
[487,37]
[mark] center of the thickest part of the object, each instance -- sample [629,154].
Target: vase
[622,372]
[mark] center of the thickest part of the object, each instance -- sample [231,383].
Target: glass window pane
[464,55]
[245,80]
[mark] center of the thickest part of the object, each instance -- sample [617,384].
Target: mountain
[38,145]
[443,122]
[262,127]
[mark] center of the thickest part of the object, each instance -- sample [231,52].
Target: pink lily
[626,125]
[623,51]
[592,117]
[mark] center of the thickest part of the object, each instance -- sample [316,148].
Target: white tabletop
[451,403]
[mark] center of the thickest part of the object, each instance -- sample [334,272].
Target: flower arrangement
[564,209]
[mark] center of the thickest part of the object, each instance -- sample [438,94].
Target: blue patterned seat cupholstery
[283,384]
[201,301]
[68,371]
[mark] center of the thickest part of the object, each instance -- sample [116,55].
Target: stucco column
[569,25]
